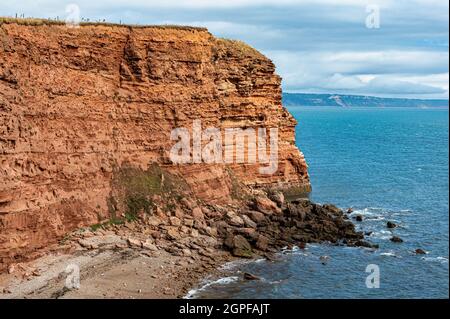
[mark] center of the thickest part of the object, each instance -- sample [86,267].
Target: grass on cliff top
[242,47]
[42,22]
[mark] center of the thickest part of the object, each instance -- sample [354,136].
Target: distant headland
[310,99]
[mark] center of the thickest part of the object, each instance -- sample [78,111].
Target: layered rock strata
[77,105]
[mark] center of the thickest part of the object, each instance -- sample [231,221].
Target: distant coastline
[311,99]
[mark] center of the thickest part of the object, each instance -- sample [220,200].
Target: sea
[387,164]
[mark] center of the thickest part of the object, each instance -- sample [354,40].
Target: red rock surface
[76,103]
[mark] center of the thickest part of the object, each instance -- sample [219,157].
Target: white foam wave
[232,265]
[374,219]
[382,234]
[389,254]
[221,281]
[295,250]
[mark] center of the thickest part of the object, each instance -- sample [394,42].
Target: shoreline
[168,254]
[123,273]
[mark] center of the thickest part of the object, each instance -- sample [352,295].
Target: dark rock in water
[350,210]
[363,243]
[297,223]
[390,225]
[368,233]
[419,251]
[358,218]
[270,257]
[248,276]
[396,239]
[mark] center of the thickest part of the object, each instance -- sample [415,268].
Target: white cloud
[391,73]
[317,45]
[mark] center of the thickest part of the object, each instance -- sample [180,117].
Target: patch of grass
[96,227]
[133,190]
[116,221]
[137,203]
[130,217]
[110,222]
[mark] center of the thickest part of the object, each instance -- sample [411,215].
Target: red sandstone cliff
[78,104]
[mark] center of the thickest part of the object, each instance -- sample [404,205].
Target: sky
[388,48]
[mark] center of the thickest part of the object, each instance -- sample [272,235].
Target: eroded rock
[239,246]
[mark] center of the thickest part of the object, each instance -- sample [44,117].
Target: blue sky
[320,46]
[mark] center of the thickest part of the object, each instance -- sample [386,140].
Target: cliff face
[78,104]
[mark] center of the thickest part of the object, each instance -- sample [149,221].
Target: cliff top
[240,47]
[42,22]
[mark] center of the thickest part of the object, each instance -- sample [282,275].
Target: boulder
[156,234]
[248,222]
[297,211]
[184,229]
[154,221]
[222,227]
[390,224]
[188,222]
[211,231]
[148,244]
[239,246]
[160,213]
[277,197]
[419,251]
[187,252]
[230,214]
[175,221]
[262,243]
[173,234]
[248,276]
[249,233]
[266,206]
[88,244]
[358,218]
[197,213]
[133,242]
[188,203]
[178,212]
[258,217]
[207,212]
[332,209]
[194,233]
[363,243]
[396,239]
[11,269]
[236,221]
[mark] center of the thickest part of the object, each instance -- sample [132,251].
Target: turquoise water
[387,164]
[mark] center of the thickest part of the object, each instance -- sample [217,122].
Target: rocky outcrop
[81,108]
